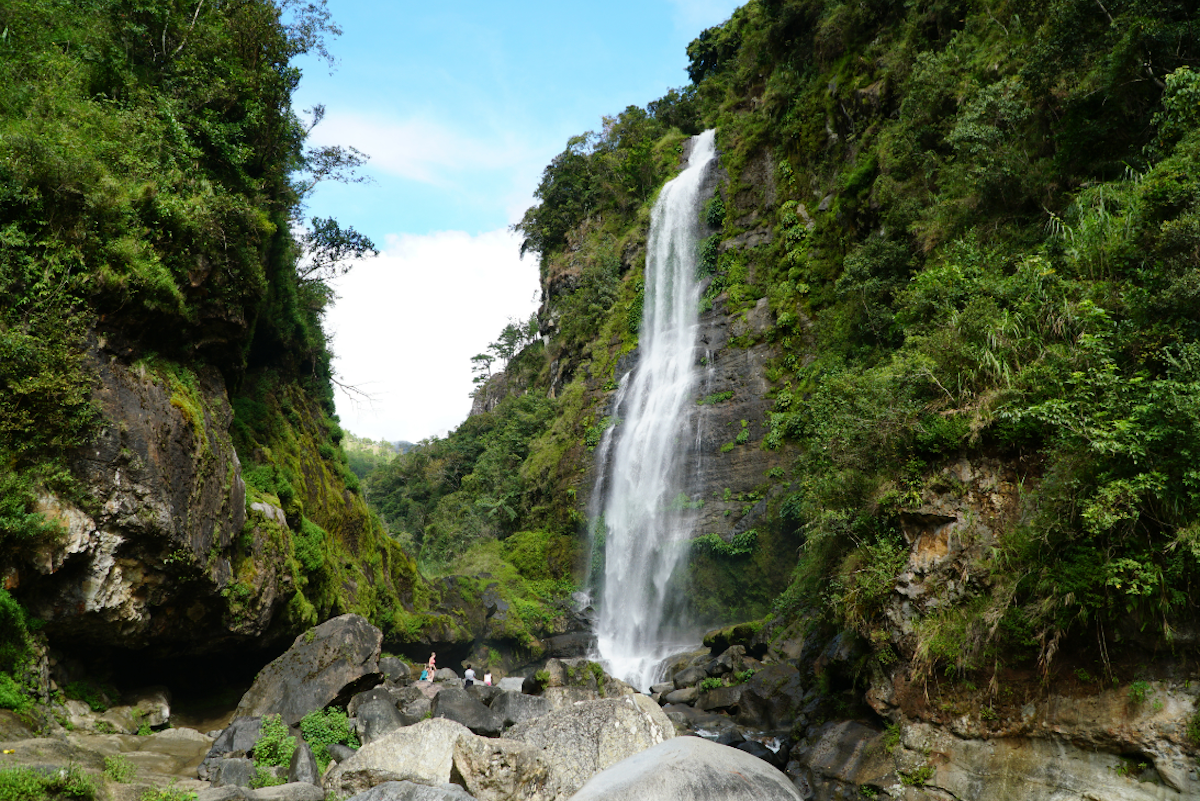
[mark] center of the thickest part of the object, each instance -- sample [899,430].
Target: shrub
[168,793]
[118,768]
[12,695]
[324,727]
[27,784]
[274,746]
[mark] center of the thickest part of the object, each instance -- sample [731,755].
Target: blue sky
[460,108]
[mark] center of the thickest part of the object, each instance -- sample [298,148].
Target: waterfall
[640,495]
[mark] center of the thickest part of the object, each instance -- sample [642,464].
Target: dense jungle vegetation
[985,234]
[152,171]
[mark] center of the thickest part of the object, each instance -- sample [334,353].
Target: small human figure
[487,679]
[424,674]
[470,676]
[430,666]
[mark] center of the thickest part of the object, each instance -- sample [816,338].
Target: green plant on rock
[96,696]
[118,768]
[1139,691]
[275,746]
[69,783]
[324,727]
[169,793]
[710,683]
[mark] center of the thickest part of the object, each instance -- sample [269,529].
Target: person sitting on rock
[470,676]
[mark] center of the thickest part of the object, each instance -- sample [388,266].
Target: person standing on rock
[430,666]
[470,676]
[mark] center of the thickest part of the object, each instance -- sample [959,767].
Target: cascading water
[641,493]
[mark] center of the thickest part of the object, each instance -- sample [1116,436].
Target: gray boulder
[689,769]
[236,740]
[445,674]
[239,736]
[339,752]
[410,791]
[330,663]
[238,772]
[295,791]
[395,669]
[377,718]
[580,741]
[685,695]
[377,694]
[303,767]
[462,707]
[513,683]
[721,699]
[415,711]
[483,693]
[772,699]
[517,707]
[690,677]
[422,753]
[500,770]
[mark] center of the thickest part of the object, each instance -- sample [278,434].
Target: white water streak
[647,529]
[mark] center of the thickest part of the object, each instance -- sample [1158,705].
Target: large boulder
[422,753]
[415,711]
[580,741]
[411,791]
[462,707]
[395,669]
[303,766]
[330,663]
[501,769]
[772,698]
[237,740]
[517,707]
[690,769]
[376,694]
[376,718]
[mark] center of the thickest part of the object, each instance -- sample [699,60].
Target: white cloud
[408,322]
[417,148]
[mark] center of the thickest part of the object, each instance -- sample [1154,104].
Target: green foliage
[13,695]
[27,784]
[542,677]
[14,633]
[265,777]
[450,494]
[742,544]
[274,746]
[168,793]
[1139,691]
[98,697]
[118,768]
[324,727]
[710,683]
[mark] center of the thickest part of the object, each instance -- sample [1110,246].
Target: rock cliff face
[146,560]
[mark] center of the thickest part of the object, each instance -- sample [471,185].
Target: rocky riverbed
[733,720]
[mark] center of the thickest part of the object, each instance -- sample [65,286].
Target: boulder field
[483,743]
[736,720]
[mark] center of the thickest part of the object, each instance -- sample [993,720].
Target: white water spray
[641,489]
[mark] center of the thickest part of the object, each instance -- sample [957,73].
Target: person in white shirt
[470,676]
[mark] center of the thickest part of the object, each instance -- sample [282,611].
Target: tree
[328,247]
